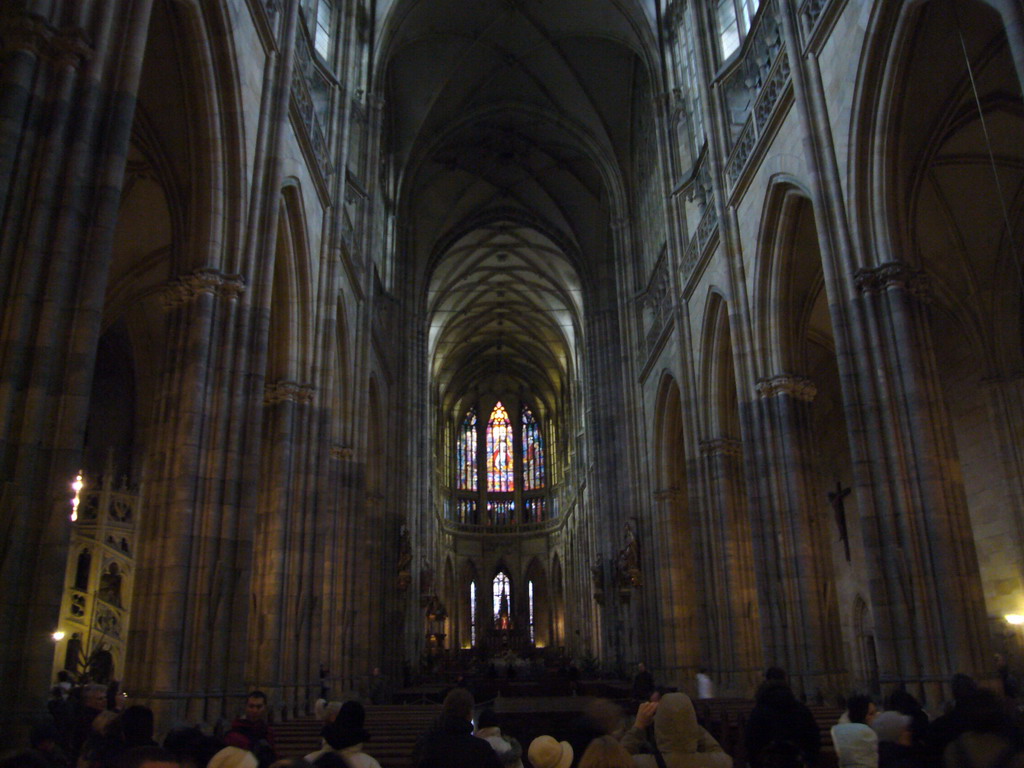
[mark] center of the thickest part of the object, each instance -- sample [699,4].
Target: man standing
[252,732]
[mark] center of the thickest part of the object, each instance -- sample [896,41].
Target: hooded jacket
[680,739]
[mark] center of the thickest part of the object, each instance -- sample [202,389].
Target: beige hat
[546,752]
[233,757]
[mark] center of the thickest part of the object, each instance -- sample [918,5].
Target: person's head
[487,719]
[548,752]
[606,752]
[893,726]
[105,722]
[256,706]
[675,724]
[641,667]
[459,704]
[347,728]
[233,757]
[963,686]
[147,757]
[192,747]
[903,701]
[775,674]
[861,709]
[94,696]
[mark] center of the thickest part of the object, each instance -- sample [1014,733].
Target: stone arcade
[394,330]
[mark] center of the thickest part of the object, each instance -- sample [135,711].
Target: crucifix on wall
[835,498]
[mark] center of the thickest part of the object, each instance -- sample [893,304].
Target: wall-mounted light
[1014,618]
[77,487]
[57,636]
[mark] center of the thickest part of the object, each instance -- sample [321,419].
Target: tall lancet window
[465,454]
[499,451]
[533,633]
[533,452]
[472,614]
[502,602]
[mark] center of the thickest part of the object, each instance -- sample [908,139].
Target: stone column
[926,586]
[67,99]
[801,585]
[277,591]
[729,593]
[677,583]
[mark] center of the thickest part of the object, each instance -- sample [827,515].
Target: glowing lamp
[1014,618]
[57,636]
[77,487]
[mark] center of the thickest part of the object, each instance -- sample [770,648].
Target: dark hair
[487,719]
[189,744]
[257,695]
[857,707]
[458,703]
[963,686]
[136,757]
[775,673]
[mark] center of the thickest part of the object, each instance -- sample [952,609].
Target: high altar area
[387,333]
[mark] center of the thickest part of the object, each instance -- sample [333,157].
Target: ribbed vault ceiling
[510,124]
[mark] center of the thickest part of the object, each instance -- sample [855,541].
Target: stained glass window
[533,510]
[533,452]
[465,454]
[499,450]
[502,602]
[465,510]
[533,636]
[501,512]
[472,613]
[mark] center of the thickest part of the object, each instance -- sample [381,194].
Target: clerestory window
[734,17]
[500,468]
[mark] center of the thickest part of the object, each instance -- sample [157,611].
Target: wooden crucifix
[835,498]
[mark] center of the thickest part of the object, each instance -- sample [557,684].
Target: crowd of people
[88,728]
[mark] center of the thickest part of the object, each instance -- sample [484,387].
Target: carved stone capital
[797,387]
[341,452]
[722,446]
[893,275]
[287,391]
[185,289]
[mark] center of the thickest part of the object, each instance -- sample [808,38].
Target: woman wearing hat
[346,736]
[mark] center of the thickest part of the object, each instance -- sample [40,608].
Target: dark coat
[778,716]
[450,743]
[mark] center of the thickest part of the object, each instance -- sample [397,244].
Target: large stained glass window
[499,451]
[465,454]
[533,452]
[502,602]
[472,613]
